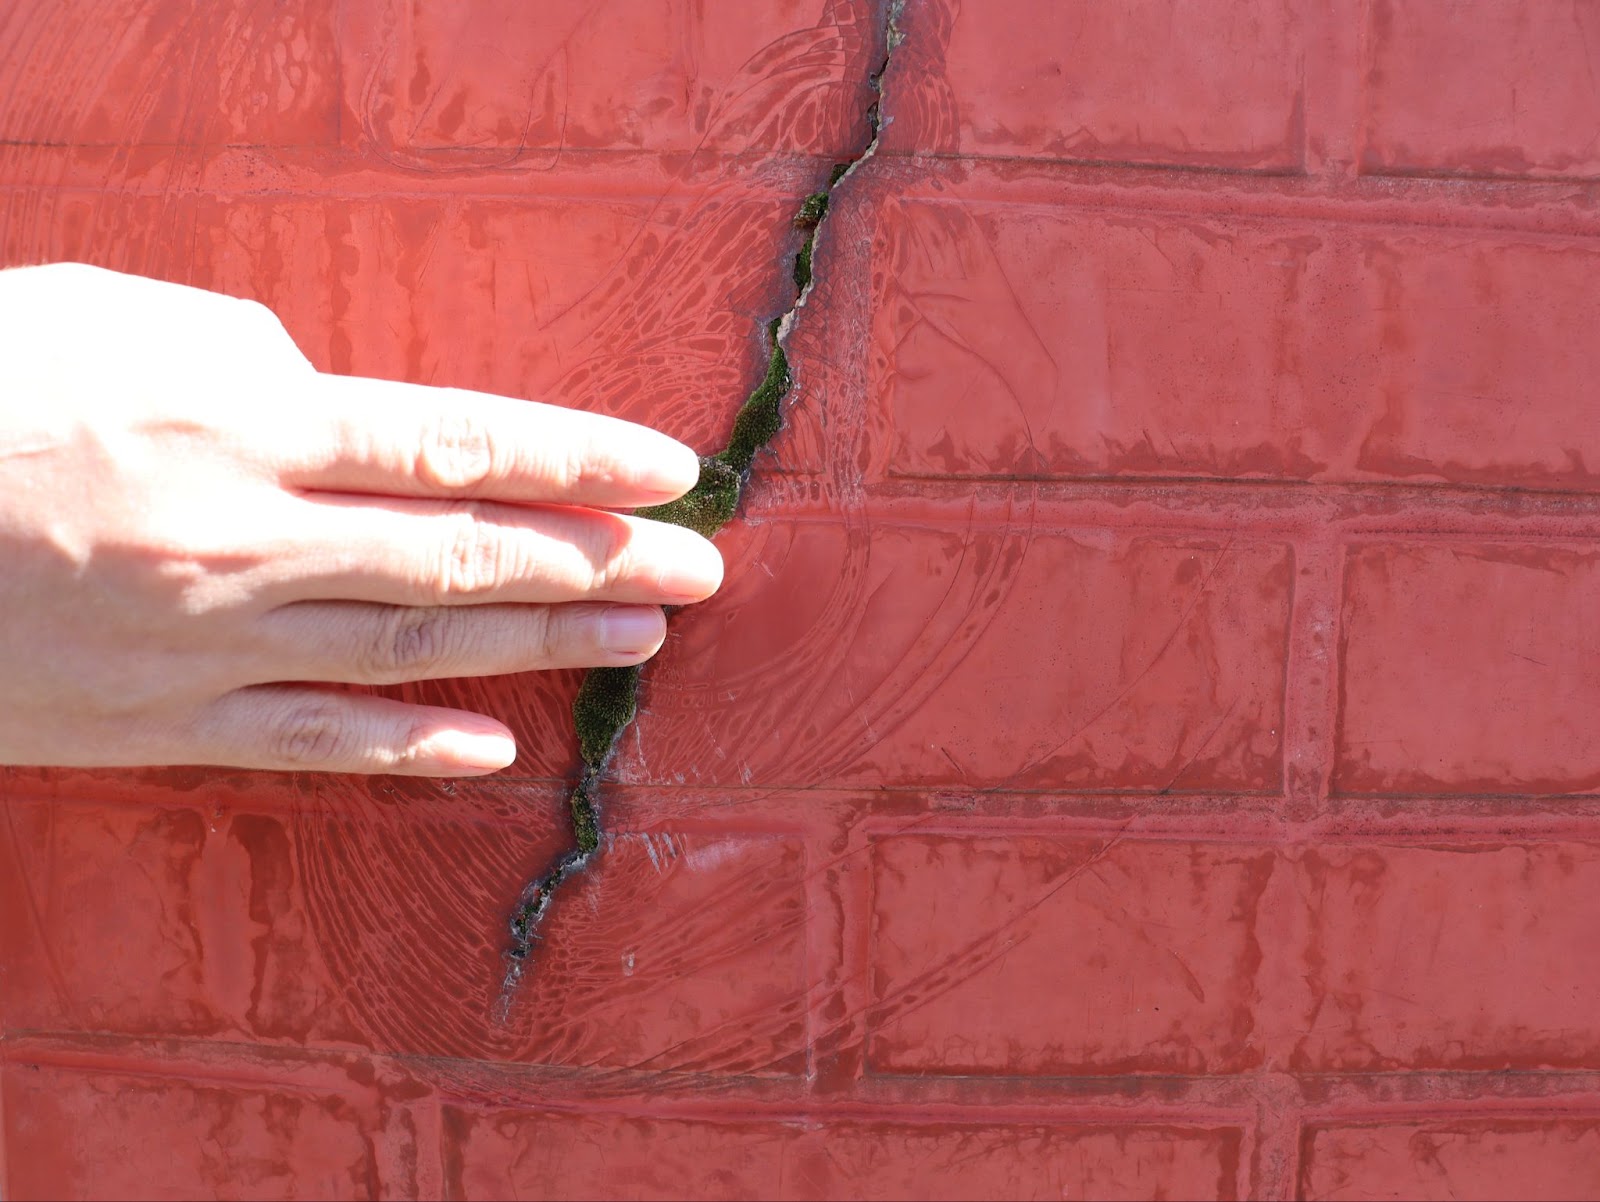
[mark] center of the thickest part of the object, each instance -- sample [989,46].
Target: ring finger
[362,643]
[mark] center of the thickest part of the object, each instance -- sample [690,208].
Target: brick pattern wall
[1144,747]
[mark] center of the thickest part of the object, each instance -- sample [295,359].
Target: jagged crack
[607,701]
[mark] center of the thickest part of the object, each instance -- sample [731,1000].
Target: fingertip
[694,571]
[674,468]
[626,464]
[717,567]
[470,751]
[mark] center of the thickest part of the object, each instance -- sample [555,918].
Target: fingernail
[695,571]
[468,749]
[632,630]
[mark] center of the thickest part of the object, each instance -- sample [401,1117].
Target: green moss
[585,822]
[525,918]
[838,172]
[606,702]
[707,506]
[531,906]
[522,919]
[608,698]
[812,210]
[802,264]
[761,417]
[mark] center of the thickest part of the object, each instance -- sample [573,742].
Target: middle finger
[435,552]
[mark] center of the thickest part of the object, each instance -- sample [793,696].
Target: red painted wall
[1145,746]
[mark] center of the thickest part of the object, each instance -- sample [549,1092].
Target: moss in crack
[761,417]
[585,821]
[606,702]
[608,698]
[802,263]
[526,916]
[706,507]
[530,908]
[812,210]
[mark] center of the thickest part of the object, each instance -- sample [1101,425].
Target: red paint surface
[1144,747]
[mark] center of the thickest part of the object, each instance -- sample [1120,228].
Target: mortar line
[1277,1129]
[1353,1095]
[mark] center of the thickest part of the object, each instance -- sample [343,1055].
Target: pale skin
[199,533]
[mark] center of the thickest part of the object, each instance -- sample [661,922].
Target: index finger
[363,435]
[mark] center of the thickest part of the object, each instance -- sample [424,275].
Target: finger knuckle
[311,734]
[546,631]
[410,645]
[610,552]
[474,560]
[585,466]
[455,453]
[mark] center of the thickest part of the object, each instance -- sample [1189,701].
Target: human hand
[195,525]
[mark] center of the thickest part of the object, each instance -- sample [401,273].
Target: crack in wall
[607,701]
